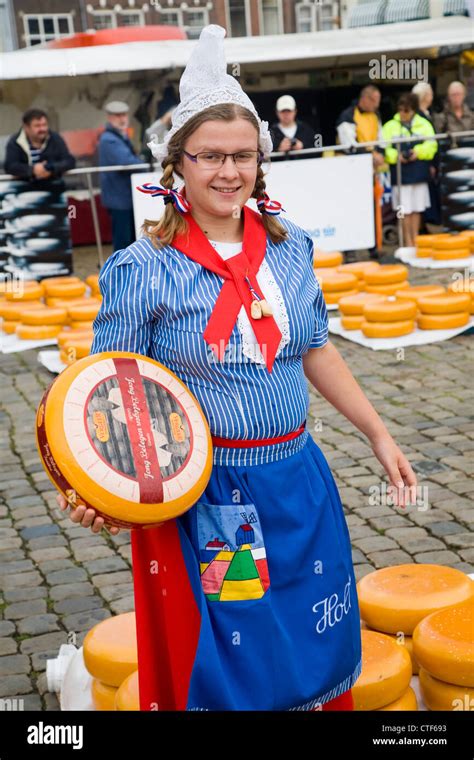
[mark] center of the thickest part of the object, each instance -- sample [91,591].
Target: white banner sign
[330,198]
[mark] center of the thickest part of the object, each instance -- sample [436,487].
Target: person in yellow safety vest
[360,123]
[412,198]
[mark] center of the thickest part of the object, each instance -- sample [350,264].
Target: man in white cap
[114,149]
[289,133]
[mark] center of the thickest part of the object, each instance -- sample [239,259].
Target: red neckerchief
[235,291]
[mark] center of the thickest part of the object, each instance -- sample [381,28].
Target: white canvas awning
[330,48]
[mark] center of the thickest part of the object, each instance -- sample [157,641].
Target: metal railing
[352,149]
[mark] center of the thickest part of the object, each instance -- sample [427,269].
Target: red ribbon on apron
[235,291]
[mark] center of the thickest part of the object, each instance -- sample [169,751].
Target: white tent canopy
[318,48]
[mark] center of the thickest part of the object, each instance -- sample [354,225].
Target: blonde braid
[172,222]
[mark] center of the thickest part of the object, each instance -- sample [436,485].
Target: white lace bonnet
[205,82]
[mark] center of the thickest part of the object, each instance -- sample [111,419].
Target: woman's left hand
[398,468]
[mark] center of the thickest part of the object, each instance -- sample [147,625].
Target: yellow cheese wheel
[53,281]
[68,335]
[110,648]
[445,303]
[354,305]
[327,258]
[87,325]
[335,296]
[128,695]
[100,431]
[407,701]
[65,303]
[386,672]
[84,313]
[93,281]
[352,321]
[338,281]
[9,326]
[462,286]
[406,641]
[359,268]
[37,332]
[439,695]
[414,292]
[25,291]
[72,350]
[425,241]
[387,274]
[449,243]
[395,599]
[11,310]
[44,316]
[444,646]
[442,321]
[424,253]
[389,311]
[455,253]
[387,329]
[66,290]
[103,696]
[319,272]
[387,290]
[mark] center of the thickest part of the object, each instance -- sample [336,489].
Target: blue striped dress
[266,547]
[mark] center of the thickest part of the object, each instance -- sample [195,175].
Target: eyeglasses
[243,159]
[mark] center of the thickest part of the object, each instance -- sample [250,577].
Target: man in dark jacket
[289,133]
[115,148]
[37,154]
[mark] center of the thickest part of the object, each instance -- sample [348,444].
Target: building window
[41,27]
[305,17]
[170,17]
[270,17]
[131,18]
[195,21]
[317,16]
[328,16]
[238,18]
[191,20]
[102,19]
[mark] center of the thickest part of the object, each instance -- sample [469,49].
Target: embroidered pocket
[232,556]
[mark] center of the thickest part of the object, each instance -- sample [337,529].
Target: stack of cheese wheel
[470,236]
[455,246]
[424,245]
[395,599]
[110,656]
[75,347]
[444,311]
[386,279]
[45,322]
[388,319]
[444,646]
[384,683]
[352,308]
[78,343]
[122,434]
[414,292]
[336,285]
[464,286]
[359,268]
[128,695]
[92,281]
[17,298]
[324,259]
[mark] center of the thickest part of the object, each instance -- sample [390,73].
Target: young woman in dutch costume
[226,298]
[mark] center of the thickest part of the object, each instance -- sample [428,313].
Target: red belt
[246,444]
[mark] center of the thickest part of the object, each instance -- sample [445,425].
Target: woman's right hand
[86,517]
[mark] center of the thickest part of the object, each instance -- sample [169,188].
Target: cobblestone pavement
[57,580]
